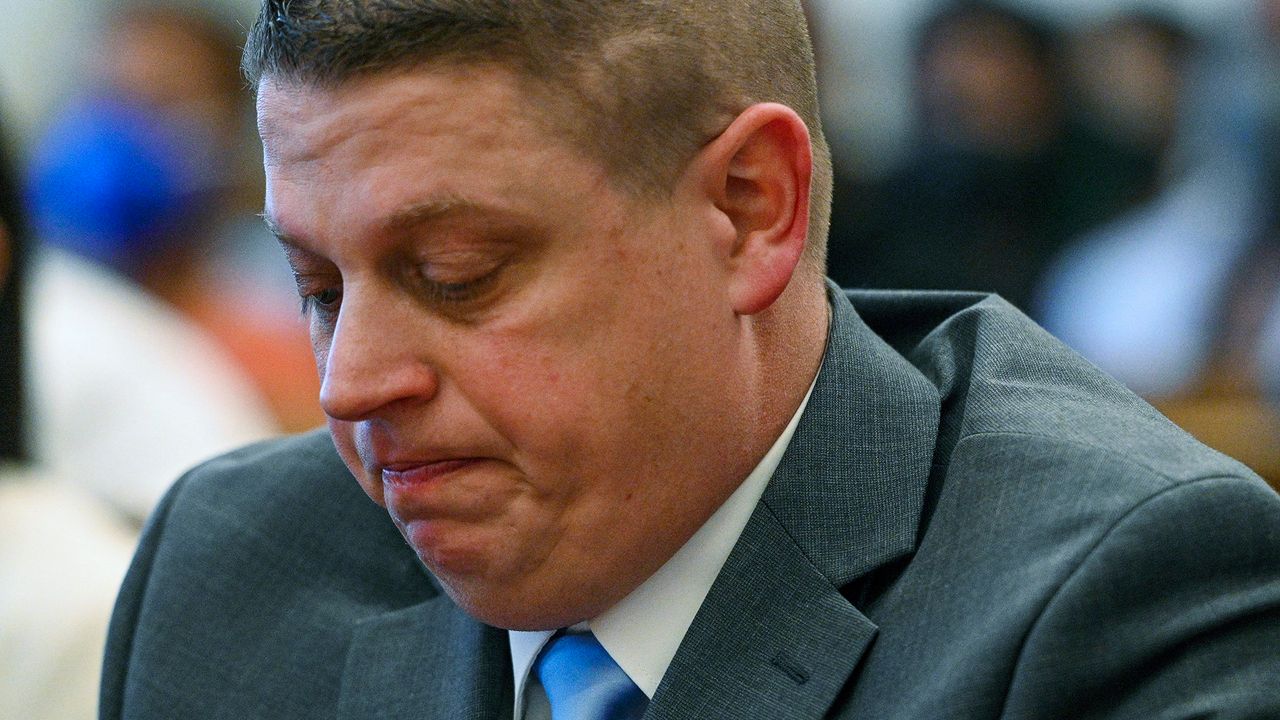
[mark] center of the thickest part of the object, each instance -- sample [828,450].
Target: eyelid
[463,250]
[460,291]
[447,268]
[454,272]
[310,286]
[309,282]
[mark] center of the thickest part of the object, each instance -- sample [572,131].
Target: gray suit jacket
[971,522]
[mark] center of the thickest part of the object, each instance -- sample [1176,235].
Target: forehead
[298,121]
[343,162]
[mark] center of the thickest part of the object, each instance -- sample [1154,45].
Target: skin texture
[548,383]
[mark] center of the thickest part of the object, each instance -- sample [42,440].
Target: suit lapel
[426,662]
[775,637]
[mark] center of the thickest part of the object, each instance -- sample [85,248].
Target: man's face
[533,372]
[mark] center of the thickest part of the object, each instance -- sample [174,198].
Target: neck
[790,338]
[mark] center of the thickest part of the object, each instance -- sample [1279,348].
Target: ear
[757,172]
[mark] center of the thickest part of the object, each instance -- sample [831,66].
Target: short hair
[641,85]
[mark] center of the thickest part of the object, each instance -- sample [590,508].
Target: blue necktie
[583,683]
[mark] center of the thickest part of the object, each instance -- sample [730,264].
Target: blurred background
[1109,166]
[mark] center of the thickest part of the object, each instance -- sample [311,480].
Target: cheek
[572,417]
[319,345]
[529,395]
[344,434]
[540,396]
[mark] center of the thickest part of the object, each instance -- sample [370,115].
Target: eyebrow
[419,213]
[403,219]
[278,232]
[294,252]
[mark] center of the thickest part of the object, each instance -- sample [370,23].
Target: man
[563,268]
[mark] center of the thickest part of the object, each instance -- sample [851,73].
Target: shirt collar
[644,630]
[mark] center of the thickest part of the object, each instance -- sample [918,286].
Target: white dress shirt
[644,630]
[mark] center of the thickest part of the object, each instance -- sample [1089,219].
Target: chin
[511,610]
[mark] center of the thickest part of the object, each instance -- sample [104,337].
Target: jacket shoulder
[288,511]
[1084,542]
[1003,378]
[251,574]
[1176,602]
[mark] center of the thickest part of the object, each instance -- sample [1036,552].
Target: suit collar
[430,660]
[851,486]
[775,636]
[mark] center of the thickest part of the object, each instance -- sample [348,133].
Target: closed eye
[456,292]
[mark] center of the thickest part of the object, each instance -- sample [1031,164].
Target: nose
[374,361]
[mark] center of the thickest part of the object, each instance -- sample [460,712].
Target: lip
[404,476]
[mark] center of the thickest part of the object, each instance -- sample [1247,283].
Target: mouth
[439,511]
[406,476]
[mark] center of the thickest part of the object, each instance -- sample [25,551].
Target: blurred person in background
[62,552]
[1003,173]
[1231,403]
[1177,297]
[124,393]
[1129,77]
[146,172]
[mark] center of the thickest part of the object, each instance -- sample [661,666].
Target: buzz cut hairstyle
[640,85]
